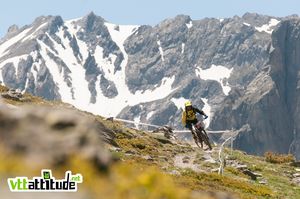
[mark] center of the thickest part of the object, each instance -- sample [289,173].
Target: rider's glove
[205,116]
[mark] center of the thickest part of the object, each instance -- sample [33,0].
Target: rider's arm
[183,118]
[200,111]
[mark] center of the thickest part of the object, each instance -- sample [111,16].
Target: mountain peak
[91,14]
[178,19]
[55,23]
[12,29]
[257,19]
[91,20]
[183,17]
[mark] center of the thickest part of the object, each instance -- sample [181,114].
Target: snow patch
[35,66]
[149,115]
[271,48]
[221,20]
[151,95]
[106,65]
[32,35]
[137,120]
[268,28]
[4,46]
[189,25]
[71,21]
[246,24]
[26,86]
[15,61]
[179,102]
[161,50]
[34,71]
[63,89]
[79,83]
[182,48]
[207,111]
[217,73]
[119,33]
[73,29]
[109,107]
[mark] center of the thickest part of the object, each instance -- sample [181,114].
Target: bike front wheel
[206,139]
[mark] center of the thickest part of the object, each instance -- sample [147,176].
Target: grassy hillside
[147,165]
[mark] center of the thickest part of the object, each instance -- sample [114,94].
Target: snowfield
[217,73]
[5,45]
[179,102]
[207,111]
[77,93]
[268,28]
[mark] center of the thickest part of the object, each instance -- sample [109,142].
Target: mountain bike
[200,134]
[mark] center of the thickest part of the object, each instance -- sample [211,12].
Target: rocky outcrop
[261,107]
[285,72]
[51,135]
[270,102]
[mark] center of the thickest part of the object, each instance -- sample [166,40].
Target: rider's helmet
[188,103]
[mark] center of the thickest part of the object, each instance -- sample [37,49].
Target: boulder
[52,135]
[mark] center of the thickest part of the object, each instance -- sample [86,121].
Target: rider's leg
[198,137]
[189,126]
[200,140]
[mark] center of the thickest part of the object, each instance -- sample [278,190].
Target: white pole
[231,145]
[220,156]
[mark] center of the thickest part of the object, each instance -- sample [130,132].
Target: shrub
[278,158]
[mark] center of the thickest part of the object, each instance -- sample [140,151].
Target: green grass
[134,176]
[278,175]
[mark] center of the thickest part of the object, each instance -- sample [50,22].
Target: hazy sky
[151,12]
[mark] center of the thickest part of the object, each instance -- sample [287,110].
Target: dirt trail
[186,160]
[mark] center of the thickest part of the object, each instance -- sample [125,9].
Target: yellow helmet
[188,103]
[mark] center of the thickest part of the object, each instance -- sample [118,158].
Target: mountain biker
[189,117]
